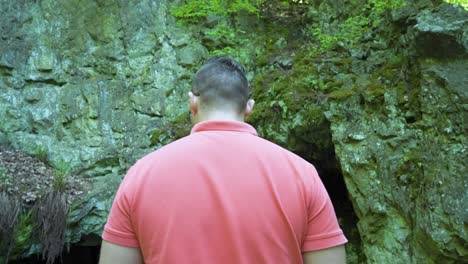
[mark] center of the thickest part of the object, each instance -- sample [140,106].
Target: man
[222,194]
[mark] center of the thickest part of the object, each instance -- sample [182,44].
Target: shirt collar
[224,126]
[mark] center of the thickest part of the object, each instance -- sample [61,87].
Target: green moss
[292,87]
[375,92]
[5,70]
[177,128]
[181,126]
[463,3]
[333,85]
[290,108]
[344,61]
[156,137]
[341,94]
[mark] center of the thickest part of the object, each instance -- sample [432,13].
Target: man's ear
[249,108]
[194,100]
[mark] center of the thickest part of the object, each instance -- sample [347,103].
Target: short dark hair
[221,82]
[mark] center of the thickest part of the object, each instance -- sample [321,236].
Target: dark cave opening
[76,254]
[330,173]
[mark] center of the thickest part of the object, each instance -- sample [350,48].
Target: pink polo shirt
[223,195]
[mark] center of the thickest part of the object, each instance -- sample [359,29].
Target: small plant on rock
[61,171]
[41,153]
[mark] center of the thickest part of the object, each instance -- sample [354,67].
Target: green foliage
[243,5]
[463,3]
[61,171]
[326,40]
[222,30]
[352,28]
[41,153]
[23,234]
[22,237]
[232,39]
[197,10]
[282,106]
[381,6]
[229,37]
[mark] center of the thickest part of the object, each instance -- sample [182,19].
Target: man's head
[220,91]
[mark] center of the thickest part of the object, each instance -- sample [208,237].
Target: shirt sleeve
[323,230]
[119,228]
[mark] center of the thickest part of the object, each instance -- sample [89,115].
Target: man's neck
[219,116]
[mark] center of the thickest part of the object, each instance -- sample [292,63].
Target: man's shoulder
[192,146]
[175,148]
[281,150]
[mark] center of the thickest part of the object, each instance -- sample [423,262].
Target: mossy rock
[342,94]
[175,129]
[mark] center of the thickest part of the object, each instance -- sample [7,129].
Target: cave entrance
[87,251]
[330,173]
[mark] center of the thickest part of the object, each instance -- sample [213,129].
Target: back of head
[221,84]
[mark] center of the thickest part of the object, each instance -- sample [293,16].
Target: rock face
[86,82]
[404,161]
[98,84]
[87,74]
